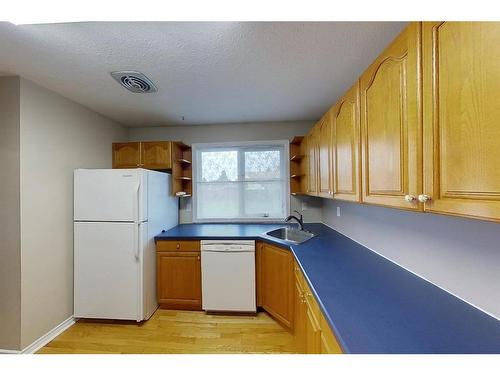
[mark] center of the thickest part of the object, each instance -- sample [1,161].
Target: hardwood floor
[171,331]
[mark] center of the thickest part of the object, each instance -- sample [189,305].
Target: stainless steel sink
[291,235]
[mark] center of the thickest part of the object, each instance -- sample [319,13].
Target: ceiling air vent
[134,81]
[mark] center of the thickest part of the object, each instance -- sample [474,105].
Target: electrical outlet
[304,206]
[338,211]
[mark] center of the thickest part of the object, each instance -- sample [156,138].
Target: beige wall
[311,207]
[10,256]
[57,136]
[459,255]
[222,132]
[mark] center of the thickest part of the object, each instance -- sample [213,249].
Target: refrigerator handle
[138,244]
[137,202]
[138,222]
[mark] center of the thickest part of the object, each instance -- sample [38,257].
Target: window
[243,181]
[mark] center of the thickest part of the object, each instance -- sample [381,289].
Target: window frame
[195,148]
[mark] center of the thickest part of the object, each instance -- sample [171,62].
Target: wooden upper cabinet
[127,155]
[156,155]
[276,282]
[149,155]
[304,165]
[346,147]
[312,170]
[391,123]
[461,63]
[324,157]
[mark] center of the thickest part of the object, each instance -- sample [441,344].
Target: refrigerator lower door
[108,271]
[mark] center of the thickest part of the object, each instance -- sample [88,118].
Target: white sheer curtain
[243,181]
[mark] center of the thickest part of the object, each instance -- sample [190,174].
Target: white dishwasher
[228,275]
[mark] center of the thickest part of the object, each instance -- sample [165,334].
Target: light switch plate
[338,211]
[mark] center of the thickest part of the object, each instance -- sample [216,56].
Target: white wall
[10,256]
[229,133]
[57,136]
[459,255]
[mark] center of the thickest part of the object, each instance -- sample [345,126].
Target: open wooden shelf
[298,164]
[296,157]
[182,174]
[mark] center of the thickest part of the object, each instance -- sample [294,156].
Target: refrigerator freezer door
[110,195]
[108,271]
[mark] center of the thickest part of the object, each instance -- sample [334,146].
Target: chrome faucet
[298,219]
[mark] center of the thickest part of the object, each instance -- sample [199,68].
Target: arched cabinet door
[312,157]
[156,155]
[324,155]
[391,124]
[127,155]
[345,150]
[461,62]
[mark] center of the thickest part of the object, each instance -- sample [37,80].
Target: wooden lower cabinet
[312,332]
[275,282]
[329,343]
[300,316]
[178,276]
[282,291]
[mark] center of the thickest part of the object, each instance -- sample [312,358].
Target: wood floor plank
[173,331]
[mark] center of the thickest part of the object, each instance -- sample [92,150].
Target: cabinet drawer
[178,245]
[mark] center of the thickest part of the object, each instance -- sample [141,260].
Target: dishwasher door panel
[228,281]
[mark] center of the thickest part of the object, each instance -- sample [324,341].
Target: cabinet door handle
[198,257]
[410,198]
[424,198]
[177,246]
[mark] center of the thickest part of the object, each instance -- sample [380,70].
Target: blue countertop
[372,304]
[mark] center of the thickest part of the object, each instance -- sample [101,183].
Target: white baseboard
[43,340]
[8,351]
[49,336]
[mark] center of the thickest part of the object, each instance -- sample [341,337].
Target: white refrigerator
[117,214]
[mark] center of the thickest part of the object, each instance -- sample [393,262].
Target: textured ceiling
[208,72]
